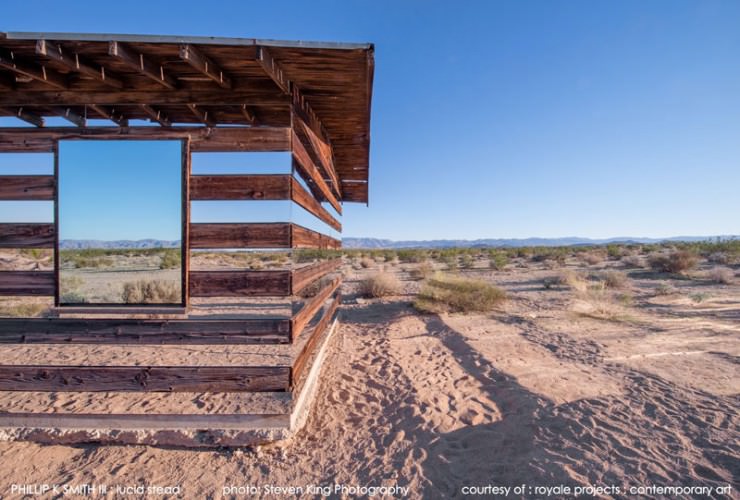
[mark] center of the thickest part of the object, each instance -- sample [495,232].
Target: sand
[539,392]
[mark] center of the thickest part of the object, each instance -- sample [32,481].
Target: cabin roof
[211,81]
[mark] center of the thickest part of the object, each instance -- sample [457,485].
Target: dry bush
[572,279]
[22,310]
[445,293]
[498,261]
[664,289]
[170,259]
[614,279]
[593,258]
[719,258]
[365,262]
[150,292]
[633,261]
[675,262]
[597,303]
[422,271]
[722,275]
[466,261]
[380,285]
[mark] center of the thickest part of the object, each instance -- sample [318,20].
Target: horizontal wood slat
[26,187]
[203,139]
[310,173]
[27,283]
[307,201]
[240,187]
[235,235]
[26,235]
[303,357]
[307,238]
[144,379]
[240,283]
[134,331]
[311,307]
[308,274]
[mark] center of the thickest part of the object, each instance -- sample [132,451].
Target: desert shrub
[592,258]
[677,261]
[72,298]
[571,279]
[407,255]
[22,310]
[170,259]
[466,261]
[615,251]
[719,258]
[150,292]
[380,285]
[445,293]
[699,297]
[614,279]
[311,254]
[423,270]
[722,275]
[632,261]
[664,289]
[498,260]
[365,262]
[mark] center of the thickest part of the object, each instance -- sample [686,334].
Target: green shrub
[423,270]
[675,262]
[498,261]
[151,292]
[170,259]
[445,293]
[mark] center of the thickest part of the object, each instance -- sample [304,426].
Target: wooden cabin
[174,374]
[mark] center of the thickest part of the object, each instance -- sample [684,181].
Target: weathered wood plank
[77,64]
[301,361]
[307,238]
[27,283]
[203,139]
[240,187]
[9,61]
[141,63]
[27,187]
[191,55]
[311,307]
[26,235]
[320,151]
[240,235]
[310,173]
[308,274]
[136,331]
[25,115]
[307,201]
[144,379]
[240,283]
[155,115]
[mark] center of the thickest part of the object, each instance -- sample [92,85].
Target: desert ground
[597,368]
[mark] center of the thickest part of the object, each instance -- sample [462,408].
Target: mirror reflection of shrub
[150,292]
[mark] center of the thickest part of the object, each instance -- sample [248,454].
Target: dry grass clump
[150,292]
[365,262]
[445,293]
[380,285]
[675,262]
[633,261]
[422,271]
[22,310]
[593,258]
[722,275]
[571,279]
[614,279]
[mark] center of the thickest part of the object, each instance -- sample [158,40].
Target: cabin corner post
[185,244]
[56,252]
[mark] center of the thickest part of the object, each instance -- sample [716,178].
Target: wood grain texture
[144,379]
[240,187]
[135,331]
[26,235]
[308,274]
[240,235]
[240,283]
[26,187]
[301,361]
[309,171]
[311,307]
[307,238]
[27,283]
[306,200]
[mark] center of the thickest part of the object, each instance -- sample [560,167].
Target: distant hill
[526,242]
[149,243]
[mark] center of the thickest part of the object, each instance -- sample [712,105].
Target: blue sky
[510,119]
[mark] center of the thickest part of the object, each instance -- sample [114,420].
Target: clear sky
[509,119]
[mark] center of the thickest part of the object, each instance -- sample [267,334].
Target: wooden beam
[248,114]
[27,283]
[301,361]
[203,139]
[111,114]
[69,115]
[26,235]
[200,62]
[320,151]
[240,283]
[307,238]
[307,201]
[311,307]
[310,173]
[26,116]
[26,187]
[240,187]
[273,69]
[155,115]
[306,275]
[250,96]
[137,331]
[201,115]
[234,235]
[74,63]
[7,83]
[144,378]
[31,70]
[141,63]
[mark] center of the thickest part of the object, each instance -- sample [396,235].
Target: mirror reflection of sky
[130,190]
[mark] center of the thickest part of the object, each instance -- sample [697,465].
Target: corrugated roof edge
[176,39]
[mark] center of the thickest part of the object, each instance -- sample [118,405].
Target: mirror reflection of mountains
[146,243]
